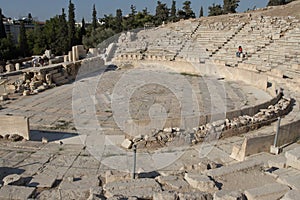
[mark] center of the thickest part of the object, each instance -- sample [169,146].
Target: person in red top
[239,52]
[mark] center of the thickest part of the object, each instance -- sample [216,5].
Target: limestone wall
[288,133]
[252,145]
[14,125]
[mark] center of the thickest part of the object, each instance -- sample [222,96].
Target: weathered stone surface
[293,158]
[11,178]
[266,192]
[279,162]
[14,125]
[291,195]
[195,196]
[79,183]
[127,144]
[8,192]
[166,195]
[173,182]
[200,182]
[233,168]
[113,176]
[4,97]
[229,195]
[141,188]
[42,181]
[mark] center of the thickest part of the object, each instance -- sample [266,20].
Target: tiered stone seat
[253,37]
[280,58]
[157,44]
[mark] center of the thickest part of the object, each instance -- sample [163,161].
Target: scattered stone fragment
[173,182]
[266,192]
[195,196]
[229,195]
[200,182]
[293,158]
[141,188]
[166,195]
[291,195]
[127,144]
[16,192]
[11,179]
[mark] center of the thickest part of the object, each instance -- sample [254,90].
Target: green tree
[278,2]
[7,48]
[62,37]
[173,16]
[2,28]
[188,10]
[40,41]
[94,18]
[71,25]
[215,9]
[23,45]
[83,27]
[97,36]
[162,13]
[118,20]
[30,40]
[230,6]
[201,12]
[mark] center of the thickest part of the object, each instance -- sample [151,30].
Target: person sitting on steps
[239,53]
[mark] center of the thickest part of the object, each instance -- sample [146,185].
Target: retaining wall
[14,125]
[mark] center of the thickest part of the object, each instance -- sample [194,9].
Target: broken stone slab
[195,196]
[4,97]
[200,182]
[173,182]
[141,188]
[292,180]
[79,182]
[168,130]
[293,158]
[229,195]
[42,181]
[229,169]
[121,197]
[127,144]
[11,179]
[266,192]
[114,176]
[16,192]
[291,195]
[165,195]
[95,192]
[278,162]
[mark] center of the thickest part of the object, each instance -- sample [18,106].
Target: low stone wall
[252,145]
[11,125]
[288,133]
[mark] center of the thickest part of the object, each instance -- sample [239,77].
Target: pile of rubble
[31,83]
[211,131]
[12,137]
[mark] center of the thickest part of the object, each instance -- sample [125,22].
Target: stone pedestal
[66,58]
[10,68]
[17,66]
[70,55]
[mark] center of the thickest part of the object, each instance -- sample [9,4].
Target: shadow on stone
[51,136]
[4,171]
[152,174]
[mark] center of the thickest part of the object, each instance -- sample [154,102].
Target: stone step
[267,192]
[292,195]
[240,166]
[293,158]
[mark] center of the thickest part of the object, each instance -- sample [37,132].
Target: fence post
[277,132]
[134,161]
